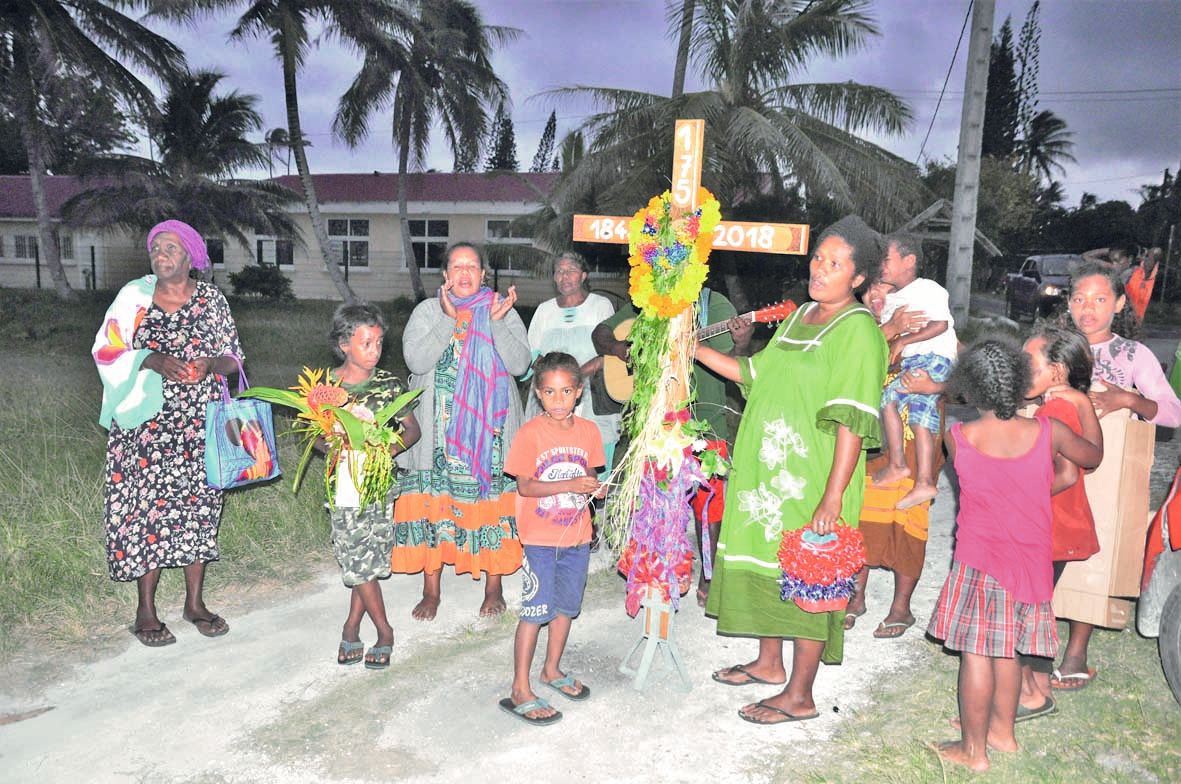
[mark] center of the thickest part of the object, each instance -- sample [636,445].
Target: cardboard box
[1118,492]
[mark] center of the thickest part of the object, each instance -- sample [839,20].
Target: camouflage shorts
[361,541]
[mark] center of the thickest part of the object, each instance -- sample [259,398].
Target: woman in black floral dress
[161,344]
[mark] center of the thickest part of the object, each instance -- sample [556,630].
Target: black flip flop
[786,716]
[211,625]
[752,680]
[139,634]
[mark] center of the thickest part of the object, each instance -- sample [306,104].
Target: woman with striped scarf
[464,349]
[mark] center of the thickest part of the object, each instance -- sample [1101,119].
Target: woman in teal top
[799,460]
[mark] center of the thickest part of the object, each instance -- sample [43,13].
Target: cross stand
[779,238]
[657,636]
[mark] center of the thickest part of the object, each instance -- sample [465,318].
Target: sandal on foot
[1061,681]
[1047,708]
[519,711]
[751,679]
[153,638]
[378,657]
[350,652]
[851,619]
[561,684]
[786,717]
[886,631]
[213,626]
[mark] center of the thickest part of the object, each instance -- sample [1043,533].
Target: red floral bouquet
[819,572]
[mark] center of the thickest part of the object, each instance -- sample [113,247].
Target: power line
[950,65]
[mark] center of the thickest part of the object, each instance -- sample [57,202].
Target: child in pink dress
[995,602]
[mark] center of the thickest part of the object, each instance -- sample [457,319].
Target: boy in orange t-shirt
[555,458]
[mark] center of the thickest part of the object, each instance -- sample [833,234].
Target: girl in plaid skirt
[996,599]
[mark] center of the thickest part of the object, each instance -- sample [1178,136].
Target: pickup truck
[1040,287]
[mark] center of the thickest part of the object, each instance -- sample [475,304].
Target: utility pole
[967,170]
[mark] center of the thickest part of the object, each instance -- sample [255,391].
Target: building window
[217,251]
[272,252]
[65,245]
[502,230]
[24,246]
[430,240]
[346,237]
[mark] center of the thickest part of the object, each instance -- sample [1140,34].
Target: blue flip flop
[350,652]
[558,684]
[381,655]
[519,711]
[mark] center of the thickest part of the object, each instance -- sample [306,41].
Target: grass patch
[1123,728]
[53,577]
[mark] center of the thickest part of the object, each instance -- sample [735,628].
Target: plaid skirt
[975,614]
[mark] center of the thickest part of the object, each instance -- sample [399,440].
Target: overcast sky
[1110,68]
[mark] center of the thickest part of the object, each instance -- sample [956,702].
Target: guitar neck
[713,330]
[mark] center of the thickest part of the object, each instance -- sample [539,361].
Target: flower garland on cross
[649,513]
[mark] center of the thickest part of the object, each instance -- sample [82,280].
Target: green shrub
[265,282]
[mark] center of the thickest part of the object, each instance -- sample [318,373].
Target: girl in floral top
[1133,379]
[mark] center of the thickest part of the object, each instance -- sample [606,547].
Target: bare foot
[954,751]
[996,742]
[702,594]
[493,605]
[426,609]
[920,494]
[890,475]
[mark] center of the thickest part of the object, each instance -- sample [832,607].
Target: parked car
[1040,287]
[1158,612]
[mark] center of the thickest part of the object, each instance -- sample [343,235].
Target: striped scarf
[480,402]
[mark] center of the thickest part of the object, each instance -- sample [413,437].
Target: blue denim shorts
[553,579]
[923,409]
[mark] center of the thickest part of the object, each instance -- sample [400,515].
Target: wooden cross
[688,151]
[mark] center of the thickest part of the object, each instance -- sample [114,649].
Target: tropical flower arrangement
[819,572]
[350,432]
[649,514]
[669,253]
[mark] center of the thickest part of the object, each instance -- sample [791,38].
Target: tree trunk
[403,209]
[26,118]
[295,133]
[687,9]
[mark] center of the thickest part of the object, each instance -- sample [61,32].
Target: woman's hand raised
[502,305]
[445,299]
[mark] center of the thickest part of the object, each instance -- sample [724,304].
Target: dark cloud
[1093,55]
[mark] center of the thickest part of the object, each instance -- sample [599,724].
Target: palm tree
[1046,145]
[202,141]
[436,66]
[359,24]
[40,37]
[277,139]
[762,126]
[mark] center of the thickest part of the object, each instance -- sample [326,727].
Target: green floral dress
[809,380]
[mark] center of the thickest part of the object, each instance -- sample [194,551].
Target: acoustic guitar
[617,376]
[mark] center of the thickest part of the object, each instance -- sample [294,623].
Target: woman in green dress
[799,460]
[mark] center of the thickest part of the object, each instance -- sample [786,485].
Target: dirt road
[268,702]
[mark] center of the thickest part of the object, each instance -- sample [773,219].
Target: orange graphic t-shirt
[542,450]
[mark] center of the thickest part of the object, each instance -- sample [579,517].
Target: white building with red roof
[361,211]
